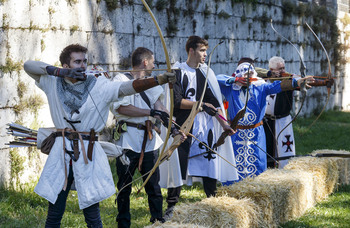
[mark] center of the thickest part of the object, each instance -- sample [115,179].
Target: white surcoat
[93,181]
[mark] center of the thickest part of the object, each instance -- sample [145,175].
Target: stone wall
[40,29]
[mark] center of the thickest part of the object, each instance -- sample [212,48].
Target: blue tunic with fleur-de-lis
[249,144]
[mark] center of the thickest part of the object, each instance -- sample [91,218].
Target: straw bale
[218,212]
[325,171]
[281,194]
[342,163]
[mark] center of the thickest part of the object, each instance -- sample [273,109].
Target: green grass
[331,131]
[23,208]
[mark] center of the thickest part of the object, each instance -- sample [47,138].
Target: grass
[329,132]
[23,208]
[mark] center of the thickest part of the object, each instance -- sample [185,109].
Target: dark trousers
[125,174]
[209,184]
[269,128]
[56,211]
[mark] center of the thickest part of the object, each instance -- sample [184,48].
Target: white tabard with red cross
[285,142]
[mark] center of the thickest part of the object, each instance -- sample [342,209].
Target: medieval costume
[79,110]
[249,142]
[132,134]
[277,117]
[192,159]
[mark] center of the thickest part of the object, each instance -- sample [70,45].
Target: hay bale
[342,163]
[273,197]
[325,171]
[218,212]
[281,194]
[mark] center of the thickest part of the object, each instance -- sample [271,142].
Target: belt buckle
[139,126]
[73,136]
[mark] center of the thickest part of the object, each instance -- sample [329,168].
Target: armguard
[136,86]
[287,85]
[140,85]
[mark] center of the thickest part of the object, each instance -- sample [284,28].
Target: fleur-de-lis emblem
[208,154]
[191,91]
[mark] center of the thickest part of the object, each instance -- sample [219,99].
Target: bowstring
[302,74]
[88,42]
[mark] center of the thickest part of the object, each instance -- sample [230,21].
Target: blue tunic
[249,144]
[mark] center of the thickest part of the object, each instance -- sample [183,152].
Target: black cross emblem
[287,143]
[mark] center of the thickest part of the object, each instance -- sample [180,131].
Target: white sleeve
[35,69]
[122,101]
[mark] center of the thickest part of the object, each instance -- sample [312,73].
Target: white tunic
[170,175]
[132,139]
[93,181]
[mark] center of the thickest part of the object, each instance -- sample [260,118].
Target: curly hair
[65,54]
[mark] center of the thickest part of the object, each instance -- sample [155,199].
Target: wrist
[51,70]
[174,131]
[201,108]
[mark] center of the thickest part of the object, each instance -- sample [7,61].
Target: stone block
[143,41]
[220,54]
[8,92]
[176,49]
[239,10]
[122,19]
[143,23]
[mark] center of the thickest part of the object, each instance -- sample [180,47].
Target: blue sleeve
[224,86]
[272,88]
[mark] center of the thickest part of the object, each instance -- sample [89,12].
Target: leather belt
[69,135]
[74,137]
[135,125]
[250,126]
[148,132]
[275,117]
